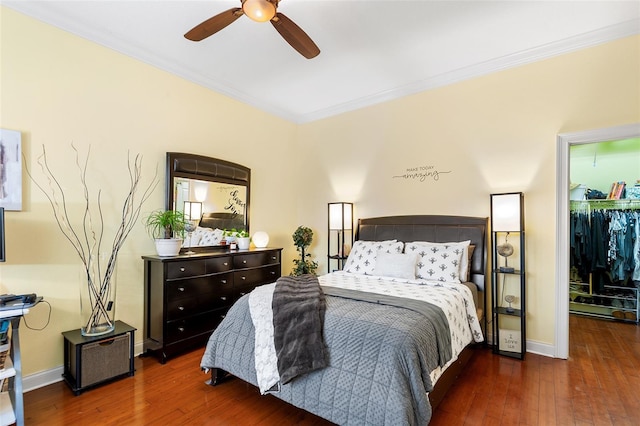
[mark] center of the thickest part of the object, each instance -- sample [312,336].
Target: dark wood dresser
[186,296]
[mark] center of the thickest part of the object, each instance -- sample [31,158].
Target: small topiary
[302,239]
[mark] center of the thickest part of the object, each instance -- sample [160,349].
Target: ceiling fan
[260,11]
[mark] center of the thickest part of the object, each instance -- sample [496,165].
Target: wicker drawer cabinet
[186,297]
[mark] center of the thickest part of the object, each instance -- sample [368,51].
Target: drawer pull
[273,272]
[242,293]
[181,329]
[273,258]
[180,288]
[244,261]
[223,281]
[181,308]
[223,298]
[244,278]
[182,269]
[226,263]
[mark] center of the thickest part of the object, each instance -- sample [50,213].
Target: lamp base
[507,269]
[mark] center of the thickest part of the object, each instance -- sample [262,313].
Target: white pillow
[446,262]
[398,265]
[362,259]
[209,237]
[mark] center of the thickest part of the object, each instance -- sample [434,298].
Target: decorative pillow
[193,241]
[208,236]
[362,259]
[440,261]
[467,274]
[398,265]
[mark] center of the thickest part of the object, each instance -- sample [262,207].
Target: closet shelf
[604,306]
[624,295]
[631,203]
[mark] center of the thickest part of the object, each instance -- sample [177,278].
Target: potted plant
[167,228]
[243,239]
[229,235]
[302,239]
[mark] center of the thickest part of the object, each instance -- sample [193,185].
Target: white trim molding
[564,141]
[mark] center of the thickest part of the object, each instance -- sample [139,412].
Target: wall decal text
[422,173]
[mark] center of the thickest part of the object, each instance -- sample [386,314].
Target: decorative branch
[87,238]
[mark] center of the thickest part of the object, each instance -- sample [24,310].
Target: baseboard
[534,347]
[42,378]
[539,348]
[48,377]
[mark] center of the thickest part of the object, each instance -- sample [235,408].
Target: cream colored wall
[493,134]
[490,134]
[57,89]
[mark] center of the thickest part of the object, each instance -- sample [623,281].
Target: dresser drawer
[192,326]
[256,276]
[195,288]
[218,264]
[251,260]
[185,269]
[182,308]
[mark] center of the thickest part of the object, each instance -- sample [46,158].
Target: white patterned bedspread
[455,300]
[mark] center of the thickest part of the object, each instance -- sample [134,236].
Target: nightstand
[90,361]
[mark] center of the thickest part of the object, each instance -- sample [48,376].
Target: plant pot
[168,246]
[243,243]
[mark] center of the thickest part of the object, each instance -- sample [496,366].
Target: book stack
[4,351]
[4,342]
[617,191]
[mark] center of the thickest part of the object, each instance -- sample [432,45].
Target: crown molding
[568,45]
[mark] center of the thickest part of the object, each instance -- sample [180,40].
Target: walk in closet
[604,230]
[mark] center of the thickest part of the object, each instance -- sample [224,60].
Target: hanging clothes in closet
[605,243]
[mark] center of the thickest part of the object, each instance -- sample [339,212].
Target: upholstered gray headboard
[439,229]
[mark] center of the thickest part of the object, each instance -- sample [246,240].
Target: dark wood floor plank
[598,386]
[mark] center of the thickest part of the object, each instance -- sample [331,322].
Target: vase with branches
[88,237]
[302,239]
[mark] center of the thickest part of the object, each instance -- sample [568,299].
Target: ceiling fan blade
[214,24]
[294,35]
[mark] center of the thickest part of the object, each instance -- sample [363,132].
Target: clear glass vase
[98,295]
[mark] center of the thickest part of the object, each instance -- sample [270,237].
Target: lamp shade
[260,239]
[340,216]
[506,212]
[193,210]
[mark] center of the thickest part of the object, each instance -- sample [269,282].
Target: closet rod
[626,203]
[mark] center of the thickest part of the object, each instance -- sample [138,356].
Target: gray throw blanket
[298,317]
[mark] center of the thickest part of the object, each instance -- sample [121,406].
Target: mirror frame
[193,166]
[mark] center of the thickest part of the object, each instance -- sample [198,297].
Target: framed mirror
[213,194]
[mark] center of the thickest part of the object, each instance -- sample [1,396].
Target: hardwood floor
[598,385]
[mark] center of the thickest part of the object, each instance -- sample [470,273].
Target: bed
[394,343]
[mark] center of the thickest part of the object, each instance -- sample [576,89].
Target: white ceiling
[371,50]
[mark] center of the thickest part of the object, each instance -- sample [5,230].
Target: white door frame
[565,140]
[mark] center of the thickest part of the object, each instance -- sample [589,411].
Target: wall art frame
[10,169]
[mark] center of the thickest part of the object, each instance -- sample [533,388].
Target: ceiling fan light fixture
[259,10]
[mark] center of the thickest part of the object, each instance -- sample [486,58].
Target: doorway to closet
[604,208]
[585,142]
